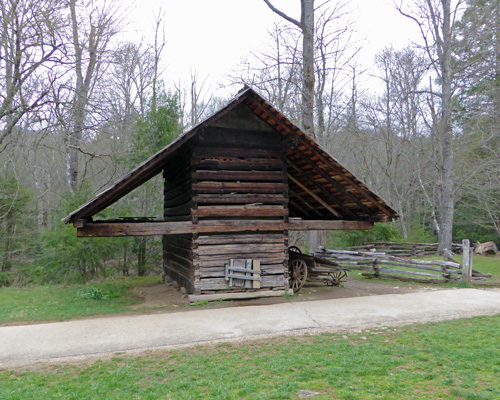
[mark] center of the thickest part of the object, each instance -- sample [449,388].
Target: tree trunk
[446,136]
[141,257]
[82,92]
[496,89]
[307,23]
[316,238]
[7,255]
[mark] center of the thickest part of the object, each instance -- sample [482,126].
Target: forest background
[80,107]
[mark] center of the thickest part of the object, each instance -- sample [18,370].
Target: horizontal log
[322,225]
[221,284]
[219,270]
[119,229]
[424,267]
[238,187]
[181,270]
[416,273]
[232,198]
[403,278]
[234,239]
[242,248]
[423,262]
[237,163]
[240,211]
[273,281]
[182,209]
[221,262]
[243,277]
[359,255]
[172,191]
[183,198]
[238,295]
[213,284]
[408,243]
[236,152]
[241,254]
[242,176]
[177,251]
[232,137]
[185,241]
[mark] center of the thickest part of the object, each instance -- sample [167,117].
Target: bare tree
[92,29]
[436,20]
[306,25]
[31,48]
[276,70]
[401,158]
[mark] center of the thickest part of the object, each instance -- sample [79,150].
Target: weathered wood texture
[404,249]
[238,295]
[213,252]
[239,174]
[178,259]
[379,264]
[110,229]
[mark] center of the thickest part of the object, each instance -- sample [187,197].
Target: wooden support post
[376,268]
[467,261]
[256,274]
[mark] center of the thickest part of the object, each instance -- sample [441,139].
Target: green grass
[453,359]
[484,264]
[56,303]
[487,265]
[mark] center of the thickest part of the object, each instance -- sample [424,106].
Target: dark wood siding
[178,249]
[239,174]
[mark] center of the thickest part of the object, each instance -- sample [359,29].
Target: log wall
[178,249]
[239,175]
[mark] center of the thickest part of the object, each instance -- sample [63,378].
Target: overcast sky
[211,37]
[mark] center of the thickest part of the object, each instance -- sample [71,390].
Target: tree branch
[282,14]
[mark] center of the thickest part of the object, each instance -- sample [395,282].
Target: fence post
[467,261]
[375,268]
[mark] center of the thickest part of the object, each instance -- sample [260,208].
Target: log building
[234,186]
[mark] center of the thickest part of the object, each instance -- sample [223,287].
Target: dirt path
[162,298]
[101,337]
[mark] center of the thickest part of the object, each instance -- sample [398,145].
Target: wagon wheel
[294,249]
[335,278]
[298,274]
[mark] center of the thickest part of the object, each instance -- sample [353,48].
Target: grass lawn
[56,303]
[453,359]
[487,265]
[484,264]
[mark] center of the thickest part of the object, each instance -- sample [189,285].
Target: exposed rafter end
[80,223]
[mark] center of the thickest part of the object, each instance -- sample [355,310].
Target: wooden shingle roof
[319,187]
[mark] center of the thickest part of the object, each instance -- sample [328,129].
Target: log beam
[112,229]
[322,225]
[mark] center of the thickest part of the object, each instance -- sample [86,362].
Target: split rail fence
[404,249]
[380,265]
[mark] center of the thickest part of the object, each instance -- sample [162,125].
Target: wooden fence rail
[404,249]
[379,265]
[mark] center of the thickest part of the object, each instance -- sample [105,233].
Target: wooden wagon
[304,268]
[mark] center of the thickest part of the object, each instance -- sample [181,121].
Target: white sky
[211,37]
